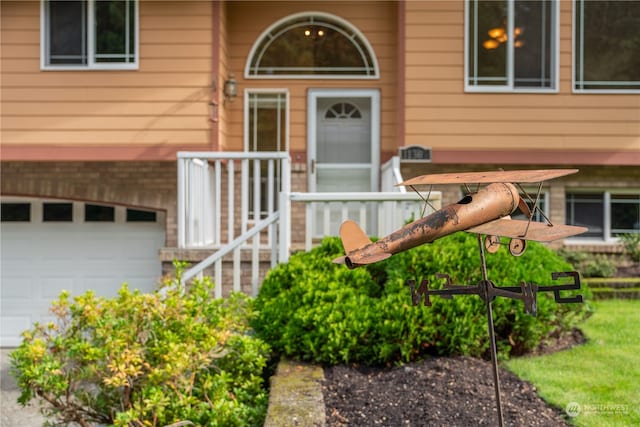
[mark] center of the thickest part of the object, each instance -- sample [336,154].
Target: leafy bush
[173,356]
[312,309]
[631,243]
[589,264]
[599,266]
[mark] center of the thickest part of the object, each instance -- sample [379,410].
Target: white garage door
[50,246]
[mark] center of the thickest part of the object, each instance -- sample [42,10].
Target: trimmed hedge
[311,309]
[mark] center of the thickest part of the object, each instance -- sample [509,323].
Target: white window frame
[248,138]
[355,33]
[247,106]
[575,63]
[607,238]
[120,213]
[509,87]
[91,63]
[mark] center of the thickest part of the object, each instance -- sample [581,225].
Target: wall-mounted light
[230,89]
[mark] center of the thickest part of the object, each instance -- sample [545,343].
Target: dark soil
[439,391]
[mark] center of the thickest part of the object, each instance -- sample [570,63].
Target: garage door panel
[21,289]
[51,286]
[104,286]
[15,251]
[10,324]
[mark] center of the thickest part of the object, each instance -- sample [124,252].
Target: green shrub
[312,309]
[146,360]
[599,266]
[589,264]
[631,243]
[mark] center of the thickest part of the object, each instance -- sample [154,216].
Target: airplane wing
[520,176]
[537,231]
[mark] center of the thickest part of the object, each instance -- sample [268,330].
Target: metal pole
[492,336]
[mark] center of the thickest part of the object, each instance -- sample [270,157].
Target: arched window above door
[312,45]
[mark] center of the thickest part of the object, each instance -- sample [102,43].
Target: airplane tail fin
[352,236]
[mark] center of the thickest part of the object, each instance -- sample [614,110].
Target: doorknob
[313,165]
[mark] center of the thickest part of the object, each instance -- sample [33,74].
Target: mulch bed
[439,391]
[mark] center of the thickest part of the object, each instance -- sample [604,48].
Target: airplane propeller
[524,208]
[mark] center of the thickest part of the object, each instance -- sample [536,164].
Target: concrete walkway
[12,414]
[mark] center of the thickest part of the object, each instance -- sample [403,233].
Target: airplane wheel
[517,246]
[492,244]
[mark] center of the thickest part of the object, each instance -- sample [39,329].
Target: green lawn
[602,376]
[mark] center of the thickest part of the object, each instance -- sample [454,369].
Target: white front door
[344,145]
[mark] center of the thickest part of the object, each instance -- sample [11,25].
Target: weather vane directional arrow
[526,292]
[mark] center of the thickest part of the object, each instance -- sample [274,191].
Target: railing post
[181,202]
[285,211]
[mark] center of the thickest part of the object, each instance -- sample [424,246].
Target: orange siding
[377,21]
[163,103]
[440,114]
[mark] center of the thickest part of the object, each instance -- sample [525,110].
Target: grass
[602,376]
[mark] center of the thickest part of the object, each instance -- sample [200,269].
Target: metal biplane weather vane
[485,211]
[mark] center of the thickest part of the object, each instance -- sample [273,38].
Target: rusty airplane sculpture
[484,211]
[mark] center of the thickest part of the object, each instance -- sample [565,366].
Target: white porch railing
[234,247]
[227,191]
[232,202]
[377,213]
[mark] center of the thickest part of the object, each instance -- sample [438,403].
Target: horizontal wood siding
[376,20]
[439,114]
[162,104]
[223,75]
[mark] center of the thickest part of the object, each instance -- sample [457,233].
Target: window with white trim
[511,45]
[267,119]
[607,214]
[312,45]
[89,34]
[606,46]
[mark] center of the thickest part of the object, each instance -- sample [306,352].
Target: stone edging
[296,397]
